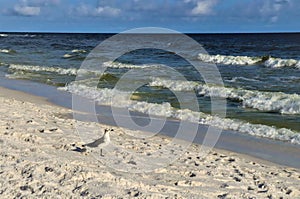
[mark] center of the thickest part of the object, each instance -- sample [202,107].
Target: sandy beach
[42,156]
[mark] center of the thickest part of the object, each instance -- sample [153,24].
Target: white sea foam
[78,51]
[18,75]
[58,70]
[229,60]
[178,85]
[245,60]
[74,53]
[120,65]
[235,79]
[6,51]
[28,35]
[3,35]
[71,71]
[104,96]
[68,55]
[264,101]
[62,71]
[22,35]
[254,129]
[279,63]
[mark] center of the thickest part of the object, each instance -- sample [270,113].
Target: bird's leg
[101,152]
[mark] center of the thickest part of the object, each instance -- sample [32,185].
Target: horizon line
[78,32]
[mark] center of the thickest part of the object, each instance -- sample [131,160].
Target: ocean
[261,75]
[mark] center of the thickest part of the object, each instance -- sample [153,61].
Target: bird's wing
[96,143]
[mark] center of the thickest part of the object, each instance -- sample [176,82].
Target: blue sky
[120,15]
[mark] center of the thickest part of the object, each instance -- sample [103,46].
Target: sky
[188,16]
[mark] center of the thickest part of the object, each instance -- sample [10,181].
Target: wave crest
[120,65]
[62,71]
[267,61]
[264,101]
[7,51]
[229,60]
[70,71]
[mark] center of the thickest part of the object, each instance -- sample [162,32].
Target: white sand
[38,160]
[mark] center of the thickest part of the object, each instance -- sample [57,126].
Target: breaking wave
[129,66]
[17,35]
[68,55]
[7,51]
[105,96]
[71,71]
[76,53]
[280,63]
[264,101]
[62,71]
[245,60]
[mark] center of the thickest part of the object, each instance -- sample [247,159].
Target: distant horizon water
[184,32]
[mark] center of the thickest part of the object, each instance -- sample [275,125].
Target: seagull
[101,142]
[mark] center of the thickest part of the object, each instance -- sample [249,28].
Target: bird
[101,142]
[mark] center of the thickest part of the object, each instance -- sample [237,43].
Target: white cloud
[272,8]
[100,11]
[203,7]
[39,2]
[27,10]
[107,11]
[81,10]
[31,7]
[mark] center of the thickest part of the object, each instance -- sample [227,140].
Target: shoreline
[273,151]
[261,148]
[22,96]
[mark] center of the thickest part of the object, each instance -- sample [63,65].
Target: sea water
[261,74]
